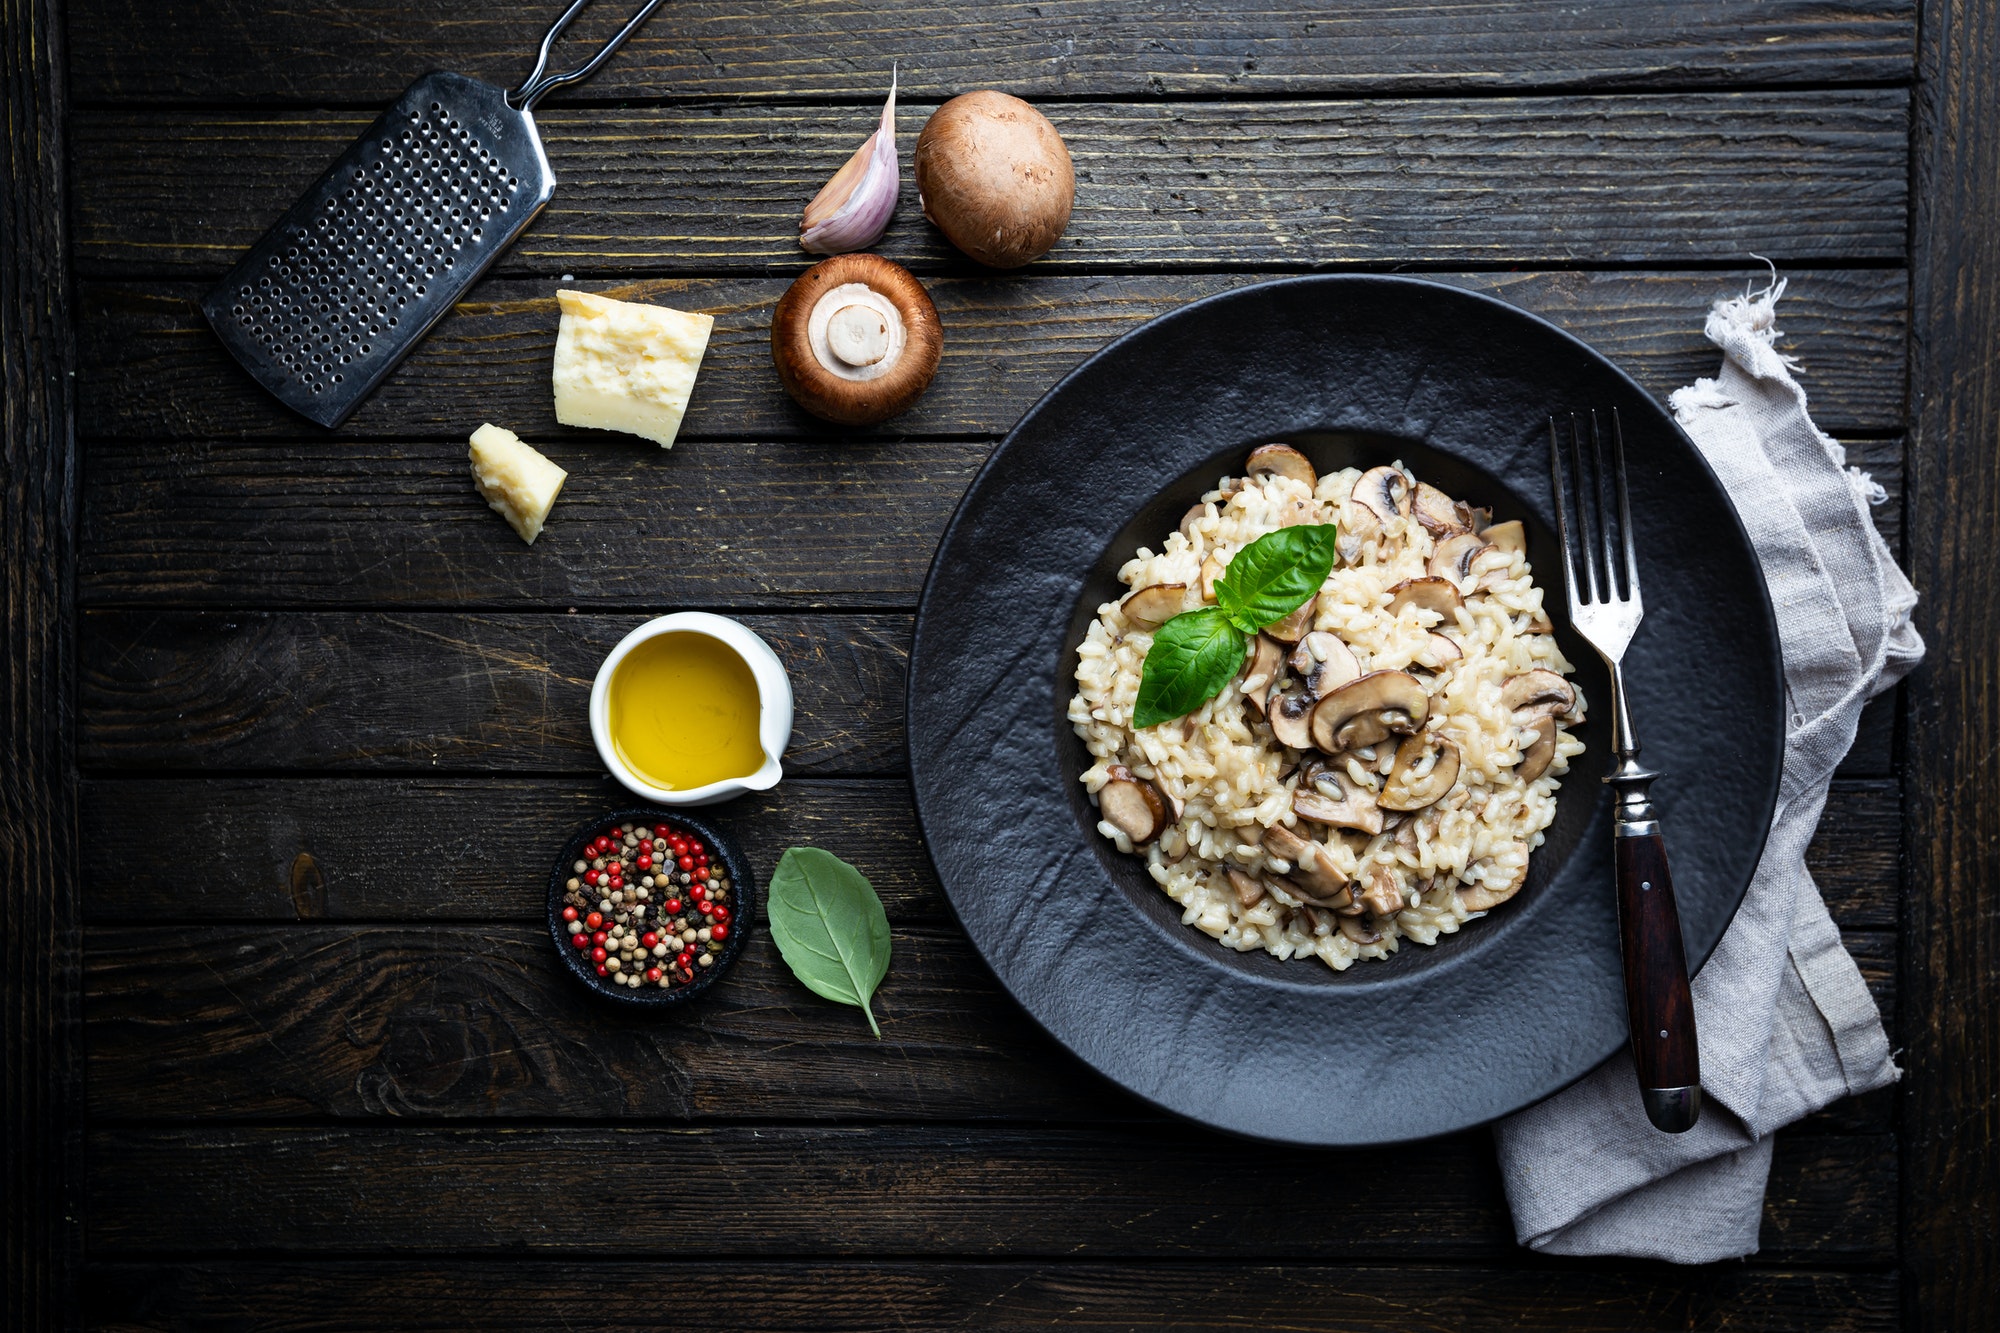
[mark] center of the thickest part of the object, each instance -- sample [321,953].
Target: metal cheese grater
[339,291]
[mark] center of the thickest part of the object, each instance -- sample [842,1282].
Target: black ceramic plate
[1353,370]
[742,907]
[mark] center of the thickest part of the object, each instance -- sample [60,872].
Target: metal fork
[1601,570]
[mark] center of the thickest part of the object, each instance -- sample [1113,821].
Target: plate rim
[1772,654]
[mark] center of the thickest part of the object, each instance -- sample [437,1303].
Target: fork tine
[1586,539]
[1624,508]
[1598,469]
[1562,515]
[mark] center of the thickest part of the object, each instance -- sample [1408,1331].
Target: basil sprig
[1194,654]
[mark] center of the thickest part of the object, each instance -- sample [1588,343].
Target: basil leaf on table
[1274,575]
[1192,658]
[830,927]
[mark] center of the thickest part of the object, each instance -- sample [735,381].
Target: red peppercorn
[661,830]
[645,862]
[701,873]
[697,893]
[652,974]
[706,909]
[685,862]
[594,920]
[603,971]
[673,907]
[720,932]
[599,953]
[580,941]
[686,957]
[649,939]
[569,914]
[721,912]
[599,936]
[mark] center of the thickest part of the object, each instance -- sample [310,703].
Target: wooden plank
[41,1072]
[262,849]
[1076,1192]
[1192,1295]
[1643,181]
[157,375]
[324,52]
[433,691]
[1951,1205]
[443,1021]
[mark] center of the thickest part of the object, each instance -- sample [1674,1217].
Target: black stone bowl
[742,907]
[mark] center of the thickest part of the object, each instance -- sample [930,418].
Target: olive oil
[684,712]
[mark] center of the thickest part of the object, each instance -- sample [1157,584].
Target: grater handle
[537,86]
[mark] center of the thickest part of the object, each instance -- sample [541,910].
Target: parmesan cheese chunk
[624,366]
[518,482]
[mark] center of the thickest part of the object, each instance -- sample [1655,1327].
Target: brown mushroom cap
[1541,690]
[995,177]
[1314,878]
[1248,890]
[1444,649]
[832,389]
[1427,594]
[1133,806]
[1324,663]
[1479,898]
[1454,556]
[1281,460]
[1426,769]
[1439,513]
[1358,930]
[1537,757]
[1369,710]
[1326,795]
[1289,711]
[1151,607]
[1260,670]
[1380,893]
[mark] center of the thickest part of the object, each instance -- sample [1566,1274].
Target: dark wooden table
[291,719]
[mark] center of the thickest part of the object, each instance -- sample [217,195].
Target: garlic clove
[852,210]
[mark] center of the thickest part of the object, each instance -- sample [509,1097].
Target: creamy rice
[1228,782]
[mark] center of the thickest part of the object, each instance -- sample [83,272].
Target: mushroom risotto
[1386,758]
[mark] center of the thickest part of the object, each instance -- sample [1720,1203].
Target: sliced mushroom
[1539,623]
[1290,708]
[1535,759]
[1380,893]
[1443,650]
[1248,890]
[1454,556]
[1314,878]
[1150,608]
[1192,517]
[1509,536]
[1383,492]
[1480,898]
[1541,692]
[1267,655]
[1369,710]
[1326,795]
[1439,513]
[1281,460]
[1427,594]
[1294,626]
[1324,663]
[1358,930]
[1133,806]
[1426,768]
[1212,570]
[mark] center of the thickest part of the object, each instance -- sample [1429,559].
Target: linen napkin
[1585,1172]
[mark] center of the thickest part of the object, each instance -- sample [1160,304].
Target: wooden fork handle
[1657,1000]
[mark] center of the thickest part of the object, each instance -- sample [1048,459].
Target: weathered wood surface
[447,1021]
[415,690]
[41,1071]
[154,373]
[1190,1296]
[357,849]
[1951,1205]
[324,52]
[1075,1192]
[1645,180]
[427,690]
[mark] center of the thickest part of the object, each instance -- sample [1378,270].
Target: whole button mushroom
[856,340]
[995,177]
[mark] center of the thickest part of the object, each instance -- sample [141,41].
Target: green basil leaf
[1192,658]
[1272,576]
[830,927]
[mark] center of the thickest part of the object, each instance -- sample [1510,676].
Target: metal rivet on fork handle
[343,286]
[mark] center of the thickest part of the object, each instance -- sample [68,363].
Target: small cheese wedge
[625,366]
[518,482]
